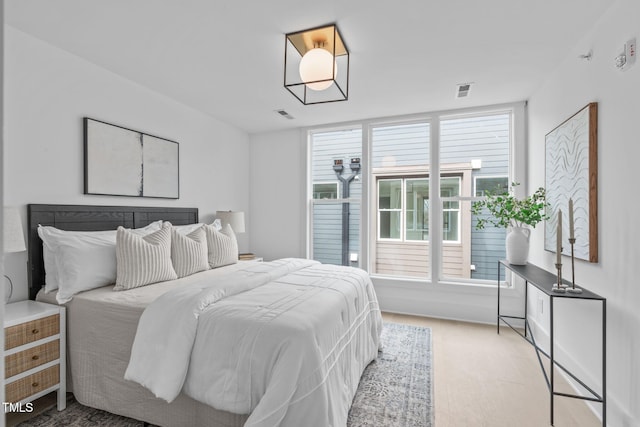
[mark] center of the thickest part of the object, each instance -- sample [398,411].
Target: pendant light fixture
[316,65]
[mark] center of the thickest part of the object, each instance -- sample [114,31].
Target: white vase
[518,245]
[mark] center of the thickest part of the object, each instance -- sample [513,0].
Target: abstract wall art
[571,161]
[123,162]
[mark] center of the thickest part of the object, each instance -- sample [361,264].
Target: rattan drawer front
[27,359]
[32,384]
[27,332]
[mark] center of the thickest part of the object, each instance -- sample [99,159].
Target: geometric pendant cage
[316,65]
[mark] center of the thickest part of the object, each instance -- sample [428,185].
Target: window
[399,171]
[493,184]
[334,221]
[417,209]
[389,208]
[414,208]
[481,141]
[450,187]
[325,190]
[472,151]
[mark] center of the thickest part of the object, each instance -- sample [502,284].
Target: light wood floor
[483,379]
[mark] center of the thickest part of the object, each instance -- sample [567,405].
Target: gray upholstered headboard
[91,218]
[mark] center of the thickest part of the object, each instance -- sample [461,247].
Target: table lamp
[13,238]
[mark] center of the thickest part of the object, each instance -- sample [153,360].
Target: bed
[258,325]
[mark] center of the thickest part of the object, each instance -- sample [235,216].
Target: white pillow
[53,238]
[76,261]
[142,260]
[222,246]
[84,264]
[189,251]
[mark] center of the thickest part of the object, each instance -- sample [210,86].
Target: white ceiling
[225,58]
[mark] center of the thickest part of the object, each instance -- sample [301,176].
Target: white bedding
[101,327]
[285,341]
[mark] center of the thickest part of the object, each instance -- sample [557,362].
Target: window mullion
[435,213]
[403,208]
[365,202]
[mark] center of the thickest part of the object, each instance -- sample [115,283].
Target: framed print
[571,173]
[123,162]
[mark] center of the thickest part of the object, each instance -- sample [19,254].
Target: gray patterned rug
[395,390]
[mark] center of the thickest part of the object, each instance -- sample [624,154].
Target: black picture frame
[124,162]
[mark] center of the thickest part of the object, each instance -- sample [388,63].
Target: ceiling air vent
[463,90]
[283,113]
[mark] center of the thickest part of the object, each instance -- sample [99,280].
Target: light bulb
[318,64]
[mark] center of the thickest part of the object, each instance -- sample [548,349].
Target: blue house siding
[406,145]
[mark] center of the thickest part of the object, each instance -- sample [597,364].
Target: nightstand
[35,352]
[248,256]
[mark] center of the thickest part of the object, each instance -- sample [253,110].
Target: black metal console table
[543,280]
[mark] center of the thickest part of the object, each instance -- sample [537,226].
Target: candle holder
[573,288]
[559,286]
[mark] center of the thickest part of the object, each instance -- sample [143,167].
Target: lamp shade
[234,219]
[13,233]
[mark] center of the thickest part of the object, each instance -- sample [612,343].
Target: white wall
[278,182]
[49,91]
[575,83]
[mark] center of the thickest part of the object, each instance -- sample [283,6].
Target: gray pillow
[222,246]
[189,251]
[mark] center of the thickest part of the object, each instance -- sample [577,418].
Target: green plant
[506,210]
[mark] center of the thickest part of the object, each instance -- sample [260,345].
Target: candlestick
[571,231]
[559,286]
[573,288]
[559,239]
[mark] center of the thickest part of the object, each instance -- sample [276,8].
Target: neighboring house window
[413,209]
[325,190]
[390,209]
[416,208]
[493,184]
[450,187]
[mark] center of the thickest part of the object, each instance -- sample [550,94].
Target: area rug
[395,389]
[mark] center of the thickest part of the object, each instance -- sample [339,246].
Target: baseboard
[464,303]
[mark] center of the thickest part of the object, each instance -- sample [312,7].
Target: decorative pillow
[186,229]
[222,246]
[77,261]
[189,251]
[142,260]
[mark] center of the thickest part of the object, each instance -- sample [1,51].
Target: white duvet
[285,341]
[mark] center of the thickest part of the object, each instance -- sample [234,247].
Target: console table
[543,280]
